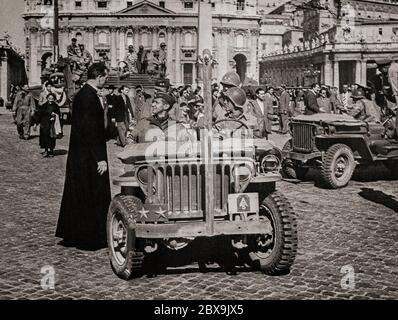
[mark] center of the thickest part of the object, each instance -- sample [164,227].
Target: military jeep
[335,144]
[163,205]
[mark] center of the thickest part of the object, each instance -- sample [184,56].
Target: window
[188,4]
[213,5]
[188,39]
[78,4]
[102,38]
[145,39]
[240,41]
[102,4]
[240,5]
[79,37]
[130,39]
[381,31]
[129,4]
[47,39]
[394,30]
[264,46]
[48,2]
[161,4]
[162,37]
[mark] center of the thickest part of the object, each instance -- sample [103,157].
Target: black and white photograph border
[344,243]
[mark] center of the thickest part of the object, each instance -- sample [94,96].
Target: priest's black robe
[87,195]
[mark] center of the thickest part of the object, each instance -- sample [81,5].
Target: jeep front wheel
[126,260]
[274,253]
[337,166]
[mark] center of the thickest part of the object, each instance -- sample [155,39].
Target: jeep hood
[178,150]
[327,118]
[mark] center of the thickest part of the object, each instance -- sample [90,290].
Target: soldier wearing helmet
[229,80]
[234,101]
[363,108]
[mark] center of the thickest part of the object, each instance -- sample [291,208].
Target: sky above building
[11,21]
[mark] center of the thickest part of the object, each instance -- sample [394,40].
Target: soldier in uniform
[234,104]
[364,109]
[229,80]
[160,126]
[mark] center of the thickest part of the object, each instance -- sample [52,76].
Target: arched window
[130,39]
[162,37]
[240,41]
[47,39]
[102,38]
[188,39]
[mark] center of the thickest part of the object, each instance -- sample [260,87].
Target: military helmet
[231,79]
[237,96]
[358,93]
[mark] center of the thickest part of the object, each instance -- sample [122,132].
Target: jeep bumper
[198,229]
[303,157]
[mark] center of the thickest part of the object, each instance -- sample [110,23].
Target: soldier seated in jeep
[363,108]
[160,126]
[235,119]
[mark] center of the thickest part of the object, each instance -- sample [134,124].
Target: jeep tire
[338,166]
[279,256]
[290,169]
[126,261]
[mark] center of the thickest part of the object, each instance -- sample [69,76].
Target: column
[155,45]
[194,74]
[34,77]
[90,40]
[113,47]
[4,77]
[136,40]
[254,34]
[358,72]
[169,38]
[336,82]
[223,53]
[363,72]
[178,66]
[327,72]
[122,43]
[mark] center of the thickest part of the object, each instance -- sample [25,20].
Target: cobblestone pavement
[355,227]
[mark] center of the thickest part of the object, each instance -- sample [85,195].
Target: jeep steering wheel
[242,124]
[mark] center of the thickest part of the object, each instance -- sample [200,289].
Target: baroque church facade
[108,27]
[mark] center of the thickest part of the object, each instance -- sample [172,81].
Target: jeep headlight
[270,163]
[243,171]
[142,177]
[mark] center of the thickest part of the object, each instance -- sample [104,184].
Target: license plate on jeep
[243,203]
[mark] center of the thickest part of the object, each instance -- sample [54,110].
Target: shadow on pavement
[60,152]
[379,197]
[212,255]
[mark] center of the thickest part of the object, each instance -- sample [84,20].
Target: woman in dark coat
[46,118]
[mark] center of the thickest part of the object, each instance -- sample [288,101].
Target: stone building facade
[108,27]
[12,68]
[338,46]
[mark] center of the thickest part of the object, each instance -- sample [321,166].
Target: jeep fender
[359,144]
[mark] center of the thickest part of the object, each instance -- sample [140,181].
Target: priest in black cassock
[87,195]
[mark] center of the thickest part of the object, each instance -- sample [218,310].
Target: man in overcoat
[87,195]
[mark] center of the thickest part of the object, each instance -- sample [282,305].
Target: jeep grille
[303,137]
[179,186]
